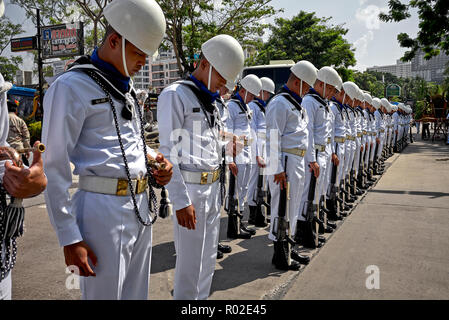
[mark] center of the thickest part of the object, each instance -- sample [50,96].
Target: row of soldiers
[335,137]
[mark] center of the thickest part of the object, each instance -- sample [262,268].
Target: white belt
[198,177]
[113,186]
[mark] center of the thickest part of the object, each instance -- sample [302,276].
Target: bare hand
[281,180]
[77,254]
[163,176]
[187,217]
[314,166]
[25,182]
[261,162]
[361,148]
[377,140]
[233,168]
[335,159]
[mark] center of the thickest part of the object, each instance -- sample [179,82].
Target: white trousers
[340,148]
[121,243]
[5,288]
[296,173]
[196,250]
[243,176]
[252,185]
[325,169]
[358,143]
[368,150]
[349,156]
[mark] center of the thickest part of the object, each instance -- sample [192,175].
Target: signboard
[62,40]
[61,66]
[23,44]
[393,90]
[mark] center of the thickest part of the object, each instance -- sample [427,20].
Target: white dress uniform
[330,148]
[358,139]
[395,120]
[77,130]
[189,138]
[5,284]
[373,130]
[239,123]
[317,112]
[287,135]
[258,133]
[380,130]
[349,143]
[339,137]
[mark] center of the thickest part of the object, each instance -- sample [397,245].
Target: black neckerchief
[113,88]
[259,105]
[339,107]
[318,98]
[242,105]
[203,99]
[286,93]
[360,110]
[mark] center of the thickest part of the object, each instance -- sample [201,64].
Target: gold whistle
[40,147]
[154,164]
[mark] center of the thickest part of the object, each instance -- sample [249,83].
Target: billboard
[62,40]
[393,90]
[23,44]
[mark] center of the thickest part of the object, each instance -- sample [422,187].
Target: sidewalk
[400,225]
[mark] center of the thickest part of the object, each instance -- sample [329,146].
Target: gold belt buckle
[329,140]
[122,187]
[302,152]
[216,175]
[141,185]
[204,176]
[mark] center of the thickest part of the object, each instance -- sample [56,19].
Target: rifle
[260,193]
[311,213]
[281,227]
[331,202]
[232,208]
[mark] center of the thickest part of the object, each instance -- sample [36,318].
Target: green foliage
[307,37]
[35,129]
[191,22]
[433,34]
[9,67]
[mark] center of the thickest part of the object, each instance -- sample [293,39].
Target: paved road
[400,226]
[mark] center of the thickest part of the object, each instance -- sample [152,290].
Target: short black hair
[109,30]
[12,106]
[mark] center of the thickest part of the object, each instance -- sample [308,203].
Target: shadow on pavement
[433,195]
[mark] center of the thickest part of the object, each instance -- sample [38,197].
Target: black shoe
[248,230]
[224,248]
[219,254]
[321,239]
[359,192]
[281,257]
[260,220]
[333,225]
[328,229]
[302,259]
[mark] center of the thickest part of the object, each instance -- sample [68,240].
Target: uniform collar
[263,103]
[112,74]
[212,95]
[333,99]
[294,95]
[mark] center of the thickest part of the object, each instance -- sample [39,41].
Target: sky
[375,41]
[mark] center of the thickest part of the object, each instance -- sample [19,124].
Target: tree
[433,34]
[8,30]
[192,22]
[307,37]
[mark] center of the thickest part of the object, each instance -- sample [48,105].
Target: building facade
[400,69]
[430,70]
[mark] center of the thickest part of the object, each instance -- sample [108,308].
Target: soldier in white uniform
[190,138]
[240,122]
[327,84]
[358,101]
[18,182]
[338,140]
[373,133]
[258,107]
[92,119]
[288,136]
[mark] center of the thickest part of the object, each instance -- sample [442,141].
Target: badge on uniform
[196,110]
[99,101]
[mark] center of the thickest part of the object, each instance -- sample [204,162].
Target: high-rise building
[430,70]
[400,69]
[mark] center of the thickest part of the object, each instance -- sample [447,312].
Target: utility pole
[39,59]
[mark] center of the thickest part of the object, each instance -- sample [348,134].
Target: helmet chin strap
[324,90]
[124,57]
[246,95]
[209,78]
[300,89]
[344,97]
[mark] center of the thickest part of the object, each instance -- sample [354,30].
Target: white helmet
[305,71]
[330,76]
[230,85]
[385,103]
[141,22]
[400,106]
[377,103]
[267,85]
[369,99]
[2,8]
[351,90]
[361,95]
[252,84]
[225,54]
